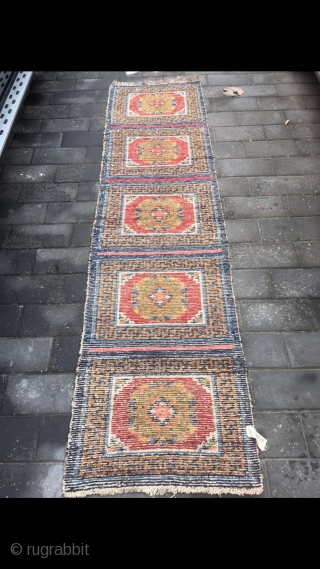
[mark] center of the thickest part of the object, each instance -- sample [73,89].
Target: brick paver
[269,179]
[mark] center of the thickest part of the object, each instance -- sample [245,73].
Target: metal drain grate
[13,87]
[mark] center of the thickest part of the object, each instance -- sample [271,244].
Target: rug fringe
[159,81]
[161,490]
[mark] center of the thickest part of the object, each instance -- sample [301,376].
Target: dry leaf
[232,91]
[287,122]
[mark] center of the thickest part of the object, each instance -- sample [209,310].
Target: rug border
[157,490]
[161,490]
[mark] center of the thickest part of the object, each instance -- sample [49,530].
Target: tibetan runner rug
[161,401]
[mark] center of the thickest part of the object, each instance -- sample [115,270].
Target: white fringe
[161,490]
[159,81]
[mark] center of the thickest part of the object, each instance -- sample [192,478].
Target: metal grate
[4,79]
[12,91]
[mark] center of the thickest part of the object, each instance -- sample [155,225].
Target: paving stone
[58,320]
[97,124]
[64,125]
[78,75]
[4,232]
[252,283]
[286,389]
[48,193]
[53,438]
[94,154]
[316,307]
[65,354]
[303,205]
[36,236]
[248,167]
[294,478]
[82,235]
[248,91]
[75,288]
[221,119]
[117,75]
[302,89]
[93,84]
[16,156]
[28,174]
[303,349]
[65,98]
[19,437]
[22,213]
[16,262]
[263,350]
[248,207]
[53,86]
[242,231]
[279,185]
[298,165]
[265,148]
[229,79]
[260,117]
[240,133]
[35,394]
[276,315]
[75,212]
[283,432]
[26,126]
[281,103]
[233,187]
[9,193]
[300,283]
[31,480]
[308,147]
[59,156]
[232,104]
[311,425]
[9,318]
[31,289]
[3,385]
[305,77]
[88,110]
[291,131]
[263,256]
[267,77]
[303,116]
[78,173]
[41,140]
[88,191]
[309,254]
[312,101]
[289,229]
[228,150]
[25,354]
[46,112]
[34,99]
[62,261]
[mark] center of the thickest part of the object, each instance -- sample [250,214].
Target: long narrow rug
[161,400]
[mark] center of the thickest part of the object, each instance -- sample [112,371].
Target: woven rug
[161,400]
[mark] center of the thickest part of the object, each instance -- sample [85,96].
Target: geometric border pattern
[106,329]
[120,109]
[113,218]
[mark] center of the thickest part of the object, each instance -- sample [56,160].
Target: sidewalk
[269,178]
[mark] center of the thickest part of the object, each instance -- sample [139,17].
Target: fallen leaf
[287,122]
[232,91]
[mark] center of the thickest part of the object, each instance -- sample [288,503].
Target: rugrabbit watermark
[45,551]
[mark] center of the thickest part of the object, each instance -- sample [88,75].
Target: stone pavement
[269,178]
